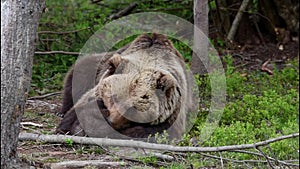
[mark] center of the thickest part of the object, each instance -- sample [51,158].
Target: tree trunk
[237,20]
[200,39]
[19,22]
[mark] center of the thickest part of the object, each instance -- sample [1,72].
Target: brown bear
[140,90]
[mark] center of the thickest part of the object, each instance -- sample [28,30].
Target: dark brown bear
[140,90]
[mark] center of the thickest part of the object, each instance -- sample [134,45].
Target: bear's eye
[112,66]
[160,86]
[111,69]
[115,60]
[113,63]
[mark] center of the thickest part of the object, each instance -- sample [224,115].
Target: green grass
[259,107]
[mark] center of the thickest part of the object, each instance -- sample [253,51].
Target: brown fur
[140,90]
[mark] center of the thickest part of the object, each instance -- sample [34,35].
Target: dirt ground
[41,115]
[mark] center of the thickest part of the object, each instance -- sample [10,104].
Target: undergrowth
[259,107]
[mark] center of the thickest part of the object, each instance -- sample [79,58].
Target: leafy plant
[69,142]
[259,107]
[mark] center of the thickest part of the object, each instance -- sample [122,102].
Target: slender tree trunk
[19,22]
[237,20]
[200,38]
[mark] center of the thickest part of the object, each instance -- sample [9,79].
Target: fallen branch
[61,33]
[77,164]
[44,96]
[56,52]
[145,145]
[237,20]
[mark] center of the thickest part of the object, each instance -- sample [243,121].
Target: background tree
[19,22]
[200,42]
[260,21]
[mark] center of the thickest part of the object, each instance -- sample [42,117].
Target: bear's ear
[161,40]
[141,42]
[165,83]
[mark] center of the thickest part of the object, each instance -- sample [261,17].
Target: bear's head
[145,84]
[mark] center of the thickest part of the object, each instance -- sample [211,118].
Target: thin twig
[56,52]
[291,161]
[266,157]
[145,145]
[32,130]
[61,33]
[272,153]
[31,124]
[77,164]
[287,163]
[221,160]
[44,96]
[264,67]
[232,160]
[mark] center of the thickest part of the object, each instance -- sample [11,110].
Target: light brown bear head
[148,84]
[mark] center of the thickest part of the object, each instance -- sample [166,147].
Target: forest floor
[41,114]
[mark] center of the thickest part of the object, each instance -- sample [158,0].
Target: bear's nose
[145,97]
